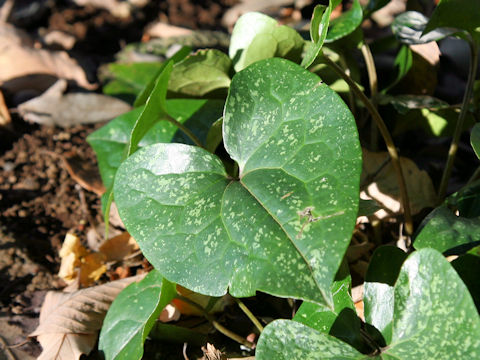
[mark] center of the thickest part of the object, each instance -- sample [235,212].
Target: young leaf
[442,230]
[284,225]
[318,33]
[287,340]
[132,316]
[378,295]
[434,313]
[214,136]
[408,28]
[459,14]
[201,73]
[403,61]
[256,37]
[475,139]
[345,23]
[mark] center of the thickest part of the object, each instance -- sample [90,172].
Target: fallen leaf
[5,119]
[70,253]
[92,267]
[69,323]
[211,353]
[169,313]
[83,172]
[162,30]
[118,247]
[17,45]
[429,51]
[56,108]
[381,184]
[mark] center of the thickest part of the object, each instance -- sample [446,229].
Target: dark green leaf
[132,316]
[285,224]
[434,316]
[475,139]
[257,36]
[155,109]
[403,62]
[367,207]
[345,23]
[459,14]
[177,334]
[147,90]
[404,103]
[467,200]
[201,73]
[318,33]
[341,322]
[468,267]
[128,80]
[378,292]
[109,141]
[408,28]
[214,136]
[443,230]
[288,340]
[374,5]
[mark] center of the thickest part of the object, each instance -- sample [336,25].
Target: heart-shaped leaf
[345,23]
[201,73]
[132,316]
[318,33]
[443,230]
[287,340]
[434,317]
[109,141]
[257,36]
[283,226]
[408,28]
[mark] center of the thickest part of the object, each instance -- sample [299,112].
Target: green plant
[275,213]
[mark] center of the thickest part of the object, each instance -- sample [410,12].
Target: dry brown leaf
[211,353]
[16,44]
[429,51]
[169,313]
[162,30]
[119,247]
[5,119]
[92,267]
[70,253]
[83,172]
[69,323]
[56,108]
[382,186]
[203,300]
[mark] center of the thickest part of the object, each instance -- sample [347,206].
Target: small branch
[228,333]
[386,137]
[373,82]
[247,312]
[186,130]
[442,190]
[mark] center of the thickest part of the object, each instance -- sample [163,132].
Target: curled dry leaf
[380,184]
[56,108]
[118,247]
[69,323]
[15,44]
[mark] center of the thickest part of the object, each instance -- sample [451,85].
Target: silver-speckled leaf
[283,226]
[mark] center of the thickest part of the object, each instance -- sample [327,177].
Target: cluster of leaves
[241,173]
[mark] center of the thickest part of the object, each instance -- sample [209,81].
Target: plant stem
[228,333]
[461,118]
[386,137]
[373,82]
[186,130]
[247,312]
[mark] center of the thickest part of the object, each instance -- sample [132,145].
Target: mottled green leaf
[378,294]
[475,139]
[291,340]
[109,141]
[408,28]
[214,136]
[201,73]
[460,14]
[345,23]
[341,322]
[434,314]
[318,33]
[404,103]
[284,225]
[132,316]
[257,36]
[443,230]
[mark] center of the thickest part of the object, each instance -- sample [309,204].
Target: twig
[247,312]
[461,118]
[216,325]
[185,356]
[7,352]
[186,130]
[386,137]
